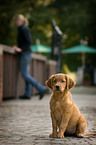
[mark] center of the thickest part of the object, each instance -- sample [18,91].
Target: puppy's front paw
[60,135]
[53,135]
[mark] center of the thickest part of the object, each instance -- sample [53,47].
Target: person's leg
[27,89]
[24,68]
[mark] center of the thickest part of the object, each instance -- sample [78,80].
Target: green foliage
[75,18]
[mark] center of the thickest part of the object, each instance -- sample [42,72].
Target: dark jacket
[24,39]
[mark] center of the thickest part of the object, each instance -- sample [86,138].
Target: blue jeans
[29,80]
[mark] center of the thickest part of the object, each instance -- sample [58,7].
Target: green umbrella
[41,48]
[80,49]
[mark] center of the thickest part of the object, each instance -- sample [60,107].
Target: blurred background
[75,19]
[63,40]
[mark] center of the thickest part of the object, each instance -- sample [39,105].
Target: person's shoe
[25,97]
[43,93]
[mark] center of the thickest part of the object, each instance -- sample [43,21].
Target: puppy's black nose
[57,86]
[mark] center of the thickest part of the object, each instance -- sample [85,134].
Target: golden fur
[66,117]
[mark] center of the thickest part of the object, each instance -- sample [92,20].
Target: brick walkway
[28,122]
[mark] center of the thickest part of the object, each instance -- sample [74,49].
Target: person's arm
[17,49]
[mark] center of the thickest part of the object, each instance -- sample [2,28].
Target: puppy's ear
[70,83]
[49,82]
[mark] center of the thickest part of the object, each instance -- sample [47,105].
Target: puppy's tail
[90,133]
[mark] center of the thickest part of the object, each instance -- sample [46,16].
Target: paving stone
[28,122]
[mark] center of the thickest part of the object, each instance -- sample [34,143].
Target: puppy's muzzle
[57,87]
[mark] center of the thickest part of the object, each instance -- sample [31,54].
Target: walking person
[24,42]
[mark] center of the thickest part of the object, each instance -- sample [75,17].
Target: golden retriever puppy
[66,117]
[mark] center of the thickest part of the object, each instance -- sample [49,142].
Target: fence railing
[11,83]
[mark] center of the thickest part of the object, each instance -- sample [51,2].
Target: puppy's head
[60,82]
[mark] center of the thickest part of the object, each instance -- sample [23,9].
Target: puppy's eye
[54,81]
[62,81]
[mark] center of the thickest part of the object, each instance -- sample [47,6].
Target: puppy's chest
[57,110]
[60,109]
[57,106]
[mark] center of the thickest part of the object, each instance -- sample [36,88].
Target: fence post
[1,75]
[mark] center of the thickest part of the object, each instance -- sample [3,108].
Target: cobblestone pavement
[27,122]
